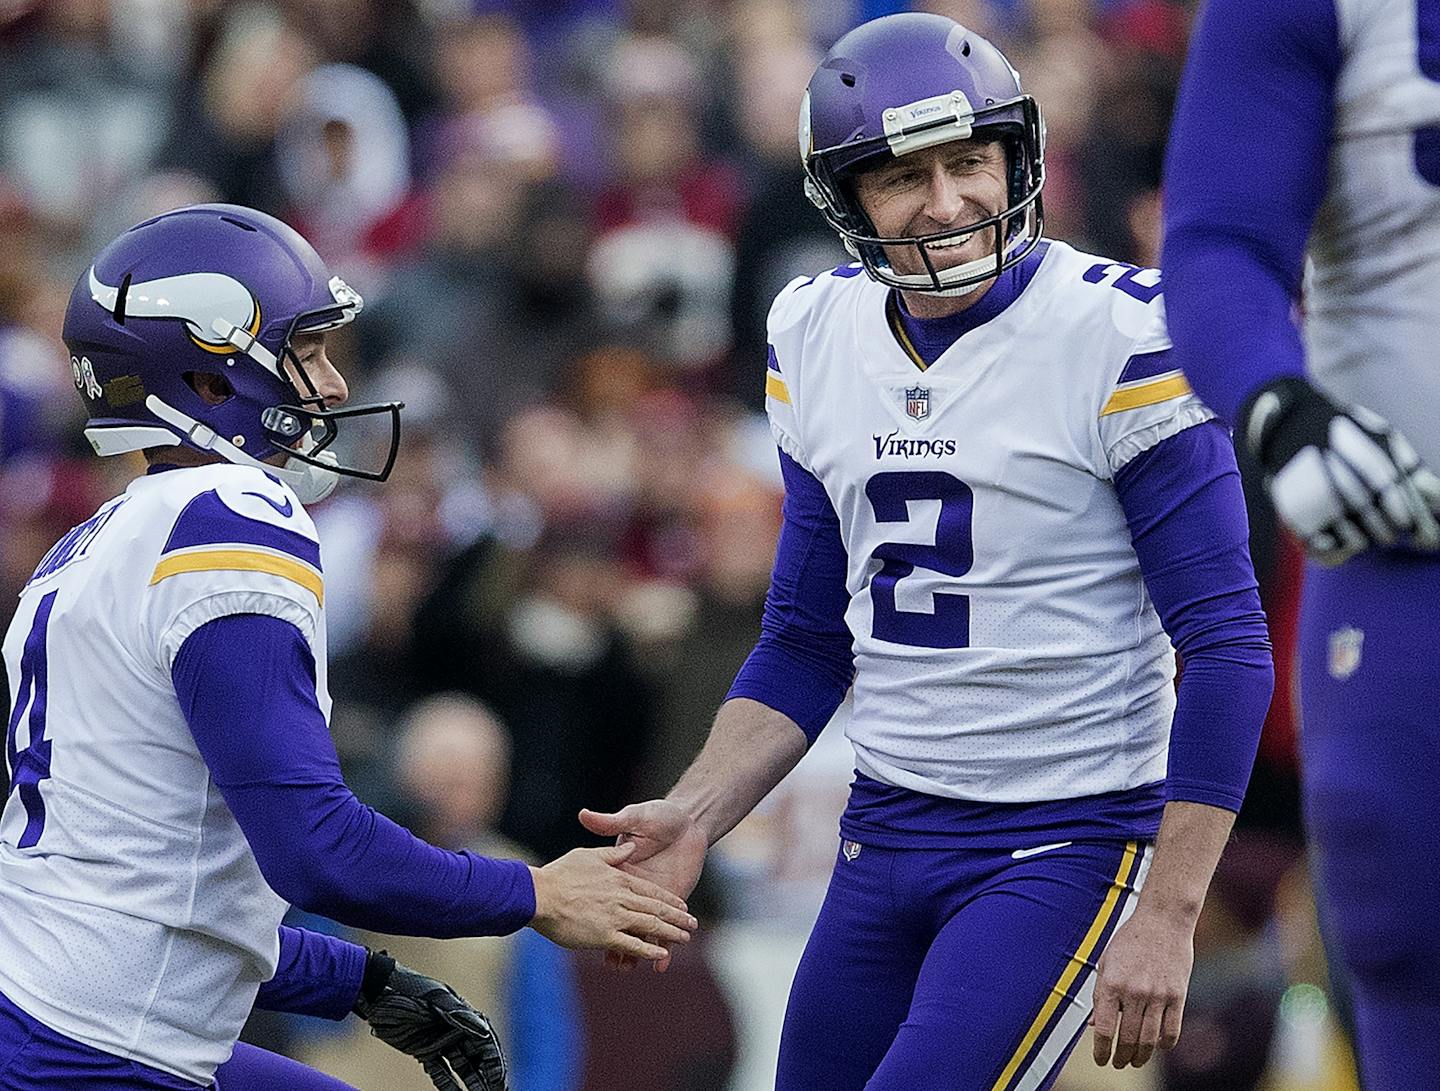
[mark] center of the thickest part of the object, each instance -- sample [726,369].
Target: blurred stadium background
[568,218]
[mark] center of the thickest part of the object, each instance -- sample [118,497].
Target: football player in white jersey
[1318,122]
[172,782]
[1003,504]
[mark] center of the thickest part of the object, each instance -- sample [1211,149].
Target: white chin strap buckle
[247,343]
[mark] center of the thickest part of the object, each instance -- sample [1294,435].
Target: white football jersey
[1005,647]
[133,916]
[1371,327]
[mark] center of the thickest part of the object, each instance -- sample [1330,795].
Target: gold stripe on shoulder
[242,560]
[1135,397]
[775,388]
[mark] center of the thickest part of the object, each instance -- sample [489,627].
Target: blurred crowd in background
[568,218]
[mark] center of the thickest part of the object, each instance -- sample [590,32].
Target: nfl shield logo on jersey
[1345,652]
[917,402]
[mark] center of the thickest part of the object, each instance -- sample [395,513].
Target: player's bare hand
[1140,987]
[669,849]
[585,900]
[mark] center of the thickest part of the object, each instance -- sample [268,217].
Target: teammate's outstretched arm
[790,686]
[1245,177]
[750,749]
[257,723]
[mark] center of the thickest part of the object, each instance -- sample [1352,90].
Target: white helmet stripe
[199,299]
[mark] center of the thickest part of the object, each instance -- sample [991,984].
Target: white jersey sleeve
[785,327]
[244,547]
[1151,399]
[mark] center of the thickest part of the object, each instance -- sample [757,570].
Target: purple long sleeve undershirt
[317,975]
[1186,513]
[246,684]
[1244,177]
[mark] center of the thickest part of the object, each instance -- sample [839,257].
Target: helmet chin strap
[310,483]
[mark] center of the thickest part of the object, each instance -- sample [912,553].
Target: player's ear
[212,387]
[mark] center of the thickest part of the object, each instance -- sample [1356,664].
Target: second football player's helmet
[214,289]
[901,83]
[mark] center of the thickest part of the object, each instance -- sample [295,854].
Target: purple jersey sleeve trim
[246,684]
[803,663]
[317,975]
[1147,365]
[206,520]
[1186,512]
[1245,174]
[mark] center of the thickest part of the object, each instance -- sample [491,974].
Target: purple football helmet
[904,82]
[222,289]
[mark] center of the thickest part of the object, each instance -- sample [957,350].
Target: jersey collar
[925,339]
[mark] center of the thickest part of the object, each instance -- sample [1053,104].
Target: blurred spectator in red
[663,264]
[660,174]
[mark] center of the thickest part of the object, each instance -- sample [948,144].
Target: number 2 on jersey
[951,555]
[30,766]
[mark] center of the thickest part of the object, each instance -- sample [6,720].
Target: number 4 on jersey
[30,766]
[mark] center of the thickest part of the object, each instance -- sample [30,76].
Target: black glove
[1340,478]
[425,1018]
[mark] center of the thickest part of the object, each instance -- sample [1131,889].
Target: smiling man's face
[934,190]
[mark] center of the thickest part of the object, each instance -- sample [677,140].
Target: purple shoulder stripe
[770,361]
[1147,365]
[206,520]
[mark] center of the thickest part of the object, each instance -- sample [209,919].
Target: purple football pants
[953,969]
[34,1057]
[1370,742]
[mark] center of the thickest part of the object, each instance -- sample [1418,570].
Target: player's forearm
[750,749]
[1186,512]
[257,724]
[1187,849]
[316,975]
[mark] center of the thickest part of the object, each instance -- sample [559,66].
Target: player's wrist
[1177,909]
[1282,418]
[697,817]
[379,969]
[542,895]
